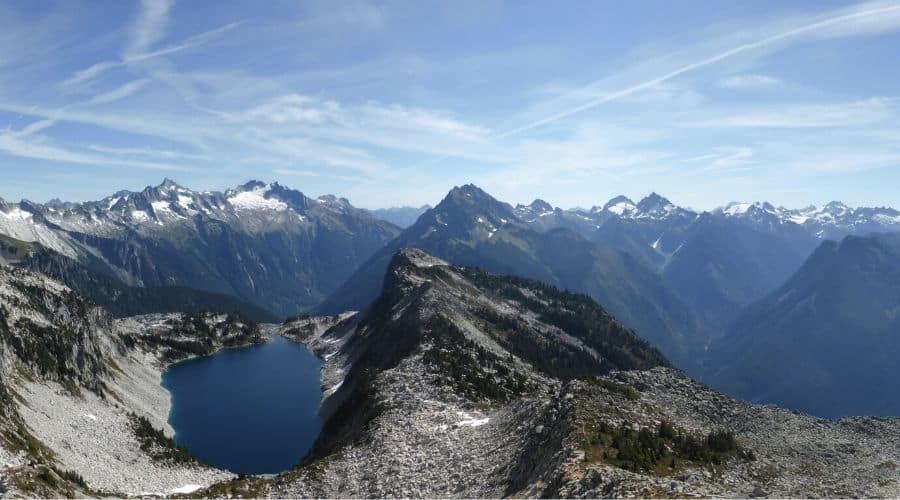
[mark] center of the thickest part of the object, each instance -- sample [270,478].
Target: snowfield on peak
[622,208]
[256,199]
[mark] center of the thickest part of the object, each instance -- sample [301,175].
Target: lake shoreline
[250,436]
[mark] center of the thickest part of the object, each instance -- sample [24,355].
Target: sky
[394,103]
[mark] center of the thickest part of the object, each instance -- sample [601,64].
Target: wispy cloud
[855,18]
[729,159]
[149,27]
[118,93]
[844,162]
[35,127]
[89,73]
[149,153]
[850,114]
[84,76]
[41,148]
[750,81]
[292,172]
[178,129]
[345,99]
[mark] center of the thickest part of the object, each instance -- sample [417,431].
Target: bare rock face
[51,330]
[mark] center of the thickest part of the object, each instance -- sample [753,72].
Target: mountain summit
[471,228]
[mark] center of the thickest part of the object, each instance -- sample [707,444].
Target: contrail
[100,67]
[691,67]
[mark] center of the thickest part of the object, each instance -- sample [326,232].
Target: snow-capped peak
[737,208]
[621,206]
[655,205]
[652,206]
[333,201]
[254,195]
[833,220]
[835,209]
[537,208]
[168,185]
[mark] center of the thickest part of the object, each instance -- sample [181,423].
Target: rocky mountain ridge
[90,281]
[263,243]
[407,414]
[471,228]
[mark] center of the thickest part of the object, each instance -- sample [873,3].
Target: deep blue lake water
[252,410]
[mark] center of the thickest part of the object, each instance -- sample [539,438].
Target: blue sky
[392,103]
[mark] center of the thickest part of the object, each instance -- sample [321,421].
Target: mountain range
[688,282]
[677,276]
[721,260]
[262,243]
[471,228]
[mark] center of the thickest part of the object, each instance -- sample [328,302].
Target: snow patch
[184,202]
[18,214]
[333,389]
[737,209]
[621,208]
[140,215]
[887,219]
[470,421]
[256,200]
[186,489]
[160,206]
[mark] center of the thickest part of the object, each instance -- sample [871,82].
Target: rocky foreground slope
[454,383]
[82,412]
[436,391]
